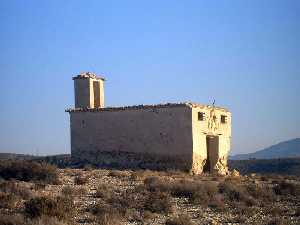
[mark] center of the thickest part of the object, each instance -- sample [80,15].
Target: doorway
[212,148]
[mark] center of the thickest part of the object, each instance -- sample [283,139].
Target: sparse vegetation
[58,207]
[106,215]
[180,220]
[28,171]
[81,180]
[107,197]
[287,188]
[158,202]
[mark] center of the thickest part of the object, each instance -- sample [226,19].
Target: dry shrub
[8,200]
[261,192]
[88,167]
[141,175]
[297,212]
[157,184]
[287,188]
[39,186]
[68,191]
[180,220]
[11,187]
[278,221]
[128,202]
[106,214]
[71,192]
[119,173]
[195,191]
[217,202]
[104,191]
[44,220]
[205,193]
[28,171]
[158,202]
[236,193]
[275,211]
[81,180]
[12,219]
[59,207]
[147,215]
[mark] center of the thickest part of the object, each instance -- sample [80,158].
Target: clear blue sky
[245,54]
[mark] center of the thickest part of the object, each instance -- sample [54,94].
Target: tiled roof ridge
[137,107]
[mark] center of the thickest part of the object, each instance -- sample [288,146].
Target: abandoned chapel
[181,136]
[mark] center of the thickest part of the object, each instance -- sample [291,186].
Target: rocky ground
[98,196]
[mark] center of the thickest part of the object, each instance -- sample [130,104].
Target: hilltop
[286,149]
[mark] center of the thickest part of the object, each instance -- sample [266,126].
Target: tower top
[88,75]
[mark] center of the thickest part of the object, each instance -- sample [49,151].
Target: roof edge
[139,107]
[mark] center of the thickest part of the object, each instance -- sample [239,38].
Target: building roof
[138,107]
[86,75]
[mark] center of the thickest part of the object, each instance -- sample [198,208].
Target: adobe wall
[211,127]
[157,138]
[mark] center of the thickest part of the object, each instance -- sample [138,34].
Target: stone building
[185,136]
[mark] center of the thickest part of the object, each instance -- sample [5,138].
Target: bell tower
[89,90]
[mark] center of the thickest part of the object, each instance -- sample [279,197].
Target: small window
[223,119]
[201,116]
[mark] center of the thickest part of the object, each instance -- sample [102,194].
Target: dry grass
[119,174]
[278,221]
[59,207]
[18,189]
[8,200]
[28,171]
[104,191]
[287,188]
[159,202]
[180,220]
[105,214]
[81,180]
[12,219]
[148,197]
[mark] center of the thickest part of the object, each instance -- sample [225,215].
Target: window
[223,119]
[201,116]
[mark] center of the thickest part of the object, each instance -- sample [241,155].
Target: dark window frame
[201,116]
[223,119]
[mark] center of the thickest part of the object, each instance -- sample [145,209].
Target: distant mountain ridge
[286,149]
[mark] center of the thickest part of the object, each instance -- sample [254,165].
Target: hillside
[286,149]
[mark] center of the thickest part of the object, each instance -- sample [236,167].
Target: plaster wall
[157,138]
[89,93]
[82,93]
[202,129]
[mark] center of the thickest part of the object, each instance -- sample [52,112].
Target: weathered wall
[209,126]
[157,138]
[82,93]
[89,93]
